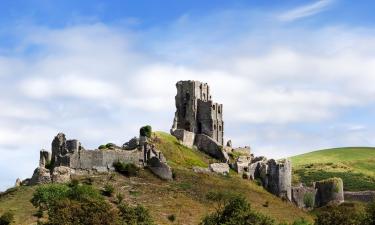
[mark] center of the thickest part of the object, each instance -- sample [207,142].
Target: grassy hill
[184,197]
[355,165]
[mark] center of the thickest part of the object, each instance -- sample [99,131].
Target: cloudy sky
[294,76]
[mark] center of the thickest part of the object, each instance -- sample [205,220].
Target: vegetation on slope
[356,166]
[182,201]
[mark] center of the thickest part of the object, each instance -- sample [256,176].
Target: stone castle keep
[198,123]
[196,112]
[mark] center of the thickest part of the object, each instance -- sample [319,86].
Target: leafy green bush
[235,211]
[84,212]
[135,215]
[127,169]
[309,200]
[110,146]
[301,221]
[339,215]
[46,195]
[369,217]
[146,131]
[102,147]
[108,190]
[7,218]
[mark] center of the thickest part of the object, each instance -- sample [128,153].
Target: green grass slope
[184,197]
[355,165]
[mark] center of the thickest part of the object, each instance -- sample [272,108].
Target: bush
[108,190]
[119,198]
[85,212]
[135,215]
[6,218]
[339,215]
[370,214]
[236,211]
[146,131]
[127,169]
[309,200]
[46,195]
[102,147]
[172,217]
[301,221]
[110,146]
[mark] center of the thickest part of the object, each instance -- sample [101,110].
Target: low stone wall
[304,197]
[360,196]
[210,147]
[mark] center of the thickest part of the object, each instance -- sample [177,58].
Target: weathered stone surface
[242,150]
[304,197]
[242,165]
[279,178]
[196,112]
[44,158]
[220,168]
[258,158]
[210,147]
[41,175]
[160,169]
[185,137]
[229,143]
[329,192]
[61,174]
[73,146]
[18,182]
[197,169]
[58,148]
[131,144]
[360,196]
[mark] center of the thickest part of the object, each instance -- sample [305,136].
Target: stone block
[185,137]
[220,168]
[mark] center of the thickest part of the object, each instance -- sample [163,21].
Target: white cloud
[97,83]
[306,10]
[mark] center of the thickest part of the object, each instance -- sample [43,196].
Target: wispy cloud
[305,10]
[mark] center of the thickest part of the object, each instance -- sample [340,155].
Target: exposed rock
[279,178]
[242,165]
[41,175]
[304,197]
[61,174]
[185,137]
[44,158]
[211,147]
[229,143]
[198,169]
[329,192]
[18,182]
[131,144]
[220,168]
[160,169]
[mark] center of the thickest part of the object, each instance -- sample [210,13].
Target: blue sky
[294,76]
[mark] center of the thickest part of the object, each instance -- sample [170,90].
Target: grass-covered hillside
[356,166]
[184,198]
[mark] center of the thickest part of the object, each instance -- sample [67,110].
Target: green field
[355,165]
[184,197]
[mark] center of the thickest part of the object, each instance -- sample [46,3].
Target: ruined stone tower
[196,112]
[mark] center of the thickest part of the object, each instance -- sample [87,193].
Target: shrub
[135,215]
[146,131]
[85,212]
[370,214]
[102,147]
[49,165]
[127,169]
[236,210]
[119,198]
[339,215]
[110,146]
[6,218]
[108,190]
[309,200]
[46,195]
[172,217]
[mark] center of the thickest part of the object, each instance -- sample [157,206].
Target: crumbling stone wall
[329,191]
[304,197]
[211,147]
[196,112]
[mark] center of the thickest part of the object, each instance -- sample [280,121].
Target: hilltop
[183,197]
[355,165]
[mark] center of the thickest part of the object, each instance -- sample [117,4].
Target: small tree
[146,131]
[7,218]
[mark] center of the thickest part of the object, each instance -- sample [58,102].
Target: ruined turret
[196,112]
